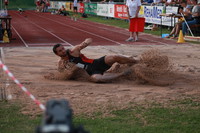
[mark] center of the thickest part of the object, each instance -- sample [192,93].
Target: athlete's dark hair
[55,47]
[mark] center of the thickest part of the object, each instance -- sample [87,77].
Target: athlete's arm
[76,50]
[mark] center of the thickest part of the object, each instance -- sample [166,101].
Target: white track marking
[20,37]
[115,31]
[122,33]
[79,29]
[118,32]
[48,32]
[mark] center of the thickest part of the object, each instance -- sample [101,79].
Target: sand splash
[153,68]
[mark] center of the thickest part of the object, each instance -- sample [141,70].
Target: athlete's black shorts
[98,66]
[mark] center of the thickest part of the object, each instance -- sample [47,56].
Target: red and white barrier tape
[4,67]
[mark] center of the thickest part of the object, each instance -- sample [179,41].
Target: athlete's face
[61,51]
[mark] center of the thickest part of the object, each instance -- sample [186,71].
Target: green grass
[182,117]
[12,121]
[25,4]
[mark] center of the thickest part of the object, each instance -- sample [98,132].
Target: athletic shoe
[136,38]
[130,39]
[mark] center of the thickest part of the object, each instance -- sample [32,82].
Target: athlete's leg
[98,78]
[111,59]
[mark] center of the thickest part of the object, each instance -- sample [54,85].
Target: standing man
[75,6]
[6,4]
[133,8]
[96,68]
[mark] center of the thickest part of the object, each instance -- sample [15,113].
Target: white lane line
[79,29]
[117,31]
[48,32]
[20,36]
[122,32]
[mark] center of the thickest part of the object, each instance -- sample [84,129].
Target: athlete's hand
[65,65]
[88,41]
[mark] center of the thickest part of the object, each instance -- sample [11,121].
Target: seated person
[195,15]
[38,6]
[184,10]
[103,2]
[146,2]
[62,11]
[169,2]
[156,2]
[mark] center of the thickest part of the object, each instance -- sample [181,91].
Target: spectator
[62,11]
[157,2]
[169,2]
[111,2]
[133,8]
[42,4]
[184,10]
[47,4]
[38,6]
[75,6]
[6,4]
[103,2]
[87,1]
[147,2]
[195,15]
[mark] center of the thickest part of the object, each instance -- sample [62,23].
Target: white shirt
[75,3]
[156,1]
[132,7]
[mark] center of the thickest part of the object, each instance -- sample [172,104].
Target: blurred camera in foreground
[58,119]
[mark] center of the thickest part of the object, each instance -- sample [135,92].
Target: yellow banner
[69,6]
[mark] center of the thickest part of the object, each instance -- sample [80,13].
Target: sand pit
[178,79]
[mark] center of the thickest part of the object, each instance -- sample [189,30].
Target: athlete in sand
[72,59]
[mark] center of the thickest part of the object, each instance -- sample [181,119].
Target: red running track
[32,29]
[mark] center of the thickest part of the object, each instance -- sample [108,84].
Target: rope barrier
[5,69]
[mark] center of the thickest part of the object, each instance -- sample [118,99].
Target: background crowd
[42,5]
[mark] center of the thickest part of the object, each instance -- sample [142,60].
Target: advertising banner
[152,15]
[120,11]
[60,4]
[111,10]
[81,7]
[54,5]
[90,8]
[69,6]
[102,9]
[105,10]
[171,10]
